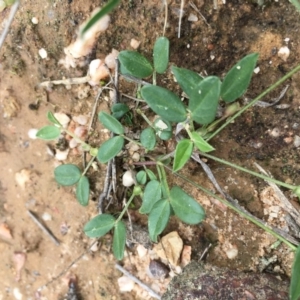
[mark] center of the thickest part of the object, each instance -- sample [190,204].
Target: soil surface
[210,45]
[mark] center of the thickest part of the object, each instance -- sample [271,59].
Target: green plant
[196,116]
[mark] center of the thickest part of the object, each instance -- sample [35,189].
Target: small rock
[232,252]
[134,43]
[284,53]
[22,178]
[19,259]
[297,141]
[192,18]
[141,250]
[125,284]
[158,269]
[81,119]
[63,119]
[34,20]
[256,70]
[17,294]
[186,255]
[275,132]
[46,217]
[128,178]
[5,231]
[61,155]
[32,133]
[43,53]
[136,157]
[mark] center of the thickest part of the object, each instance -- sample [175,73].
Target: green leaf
[158,218]
[119,110]
[204,100]
[185,207]
[83,191]
[119,240]
[187,79]
[161,54]
[111,123]
[110,149]
[99,225]
[141,177]
[148,138]
[164,102]
[151,175]
[152,194]
[48,133]
[135,64]
[67,174]
[295,279]
[163,129]
[101,13]
[200,143]
[183,153]
[52,119]
[238,78]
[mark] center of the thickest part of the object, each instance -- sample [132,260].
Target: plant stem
[163,178]
[125,207]
[286,185]
[130,140]
[138,111]
[88,166]
[268,90]
[86,146]
[228,204]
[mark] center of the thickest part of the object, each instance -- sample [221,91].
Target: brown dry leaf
[170,248]
[5,231]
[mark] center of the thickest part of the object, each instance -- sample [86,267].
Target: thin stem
[13,11]
[88,166]
[138,111]
[286,185]
[125,207]
[86,146]
[131,140]
[243,214]
[163,178]
[268,90]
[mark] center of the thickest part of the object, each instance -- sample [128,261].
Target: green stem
[264,177]
[130,140]
[125,208]
[138,111]
[243,214]
[88,166]
[268,90]
[163,178]
[86,146]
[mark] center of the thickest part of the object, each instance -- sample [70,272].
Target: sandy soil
[212,47]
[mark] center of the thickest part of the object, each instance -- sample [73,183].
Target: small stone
[43,53]
[32,133]
[192,18]
[158,269]
[61,155]
[46,217]
[284,53]
[125,284]
[275,132]
[81,119]
[17,294]
[256,70]
[141,250]
[297,141]
[134,43]
[63,119]
[128,178]
[232,252]
[136,157]
[34,20]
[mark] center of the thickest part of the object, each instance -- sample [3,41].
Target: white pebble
[32,133]
[136,156]
[192,18]
[46,217]
[61,155]
[141,250]
[62,118]
[34,20]
[73,143]
[128,178]
[256,70]
[284,53]
[17,294]
[43,53]
[297,141]
[81,119]
[80,131]
[134,43]
[125,284]
[232,252]
[275,132]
